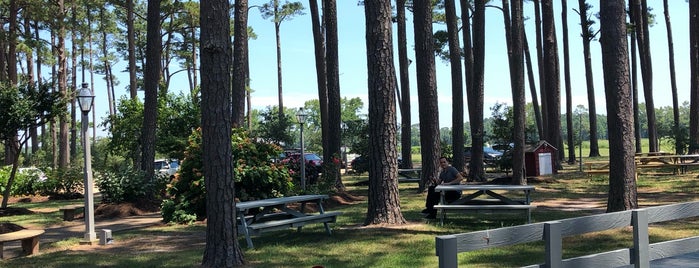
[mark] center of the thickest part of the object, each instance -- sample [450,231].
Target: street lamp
[301,118]
[85,99]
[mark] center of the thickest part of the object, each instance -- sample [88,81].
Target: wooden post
[447,252]
[639,219]
[554,244]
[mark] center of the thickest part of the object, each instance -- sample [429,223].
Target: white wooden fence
[553,232]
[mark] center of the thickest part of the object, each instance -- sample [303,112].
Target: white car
[35,172]
[165,167]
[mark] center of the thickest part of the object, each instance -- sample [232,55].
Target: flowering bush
[256,177]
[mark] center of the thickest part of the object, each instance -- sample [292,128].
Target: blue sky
[299,77]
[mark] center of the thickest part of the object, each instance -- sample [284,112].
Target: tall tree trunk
[634,83]
[475,94]
[404,64]
[33,131]
[694,80]
[585,24]
[622,169]
[73,82]
[384,199]
[277,25]
[569,92]
[240,58]
[553,87]
[518,95]
[457,88]
[105,54]
[64,149]
[222,248]
[640,12]
[679,144]
[321,73]
[540,61]
[532,87]
[151,80]
[131,40]
[334,108]
[426,90]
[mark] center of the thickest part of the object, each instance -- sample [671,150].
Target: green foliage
[26,106]
[256,177]
[278,14]
[275,129]
[64,183]
[25,183]
[128,185]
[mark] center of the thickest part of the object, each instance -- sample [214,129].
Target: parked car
[166,167]
[34,172]
[360,164]
[490,155]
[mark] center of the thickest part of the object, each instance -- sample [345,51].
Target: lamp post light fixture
[301,118]
[85,101]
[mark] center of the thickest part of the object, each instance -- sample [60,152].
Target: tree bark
[587,36]
[553,87]
[321,73]
[426,90]
[334,108]
[640,13]
[622,169]
[222,248]
[404,64]
[457,88]
[384,199]
[694,80]
[679,144]
[240,59]
[151,80]
[475,94]
[569,92]
[131,39]
[518,95]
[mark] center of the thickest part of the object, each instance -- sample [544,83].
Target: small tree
[24,108]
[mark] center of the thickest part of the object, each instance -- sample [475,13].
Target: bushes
[256,177]
[58,184]
[129,185]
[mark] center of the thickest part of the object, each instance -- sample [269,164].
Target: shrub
[129,185]
[25,183]
[256,177]
[63,183]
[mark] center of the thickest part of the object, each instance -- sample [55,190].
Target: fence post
[446,251]
[639,219]
[554,244]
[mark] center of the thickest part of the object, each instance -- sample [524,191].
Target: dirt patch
[121,210]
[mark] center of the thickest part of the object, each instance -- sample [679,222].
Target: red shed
[539,159]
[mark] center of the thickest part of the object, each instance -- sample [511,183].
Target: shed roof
[534,147]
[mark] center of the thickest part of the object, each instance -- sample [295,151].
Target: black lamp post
[301,118]
[85,100]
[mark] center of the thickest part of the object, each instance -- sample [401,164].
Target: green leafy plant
[256,177]
[128,185]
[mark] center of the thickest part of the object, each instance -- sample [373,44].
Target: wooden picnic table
[258,216]
[497,201]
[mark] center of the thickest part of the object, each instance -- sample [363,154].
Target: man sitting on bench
[447,176]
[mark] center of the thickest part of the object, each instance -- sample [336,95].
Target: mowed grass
[411,245]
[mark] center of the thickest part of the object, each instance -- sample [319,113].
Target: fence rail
[553,232]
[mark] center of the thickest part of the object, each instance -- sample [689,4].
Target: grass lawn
[569,194]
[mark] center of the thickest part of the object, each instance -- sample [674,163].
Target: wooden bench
[274,225]
[488,208]
[29,238]
[69,211]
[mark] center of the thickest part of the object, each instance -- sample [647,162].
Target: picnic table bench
[69,211]
[258,216]
[409,174]
[498,202]
[596,167]
[29,238]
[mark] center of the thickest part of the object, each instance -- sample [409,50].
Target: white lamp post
[301,117]
[85,99]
